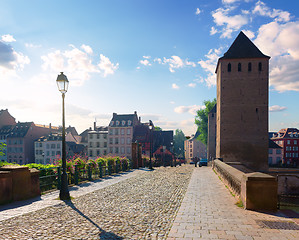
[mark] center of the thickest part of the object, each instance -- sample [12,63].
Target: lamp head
[62,83]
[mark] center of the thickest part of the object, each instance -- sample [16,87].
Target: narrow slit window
[260,66]
[249,67]
[229,67]
[239,67]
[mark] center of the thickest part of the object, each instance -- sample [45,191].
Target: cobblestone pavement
[208,211]
[141,207]
[21,207]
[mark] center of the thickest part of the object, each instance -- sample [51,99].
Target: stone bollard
[5,187]
[259,191]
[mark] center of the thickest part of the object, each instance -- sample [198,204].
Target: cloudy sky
[151,56]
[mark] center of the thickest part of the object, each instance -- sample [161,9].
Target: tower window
[249,67]
[229,67]
[260,66]
[239,67]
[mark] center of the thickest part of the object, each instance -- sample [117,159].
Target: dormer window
[129,122]
[123,123]
[112,122]
[117,123]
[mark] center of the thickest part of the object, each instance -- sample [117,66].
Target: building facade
[288,139]
[6,125]
[20,142]
[275,154]
[120,134]
[194,149]
[98,142]
[242,105]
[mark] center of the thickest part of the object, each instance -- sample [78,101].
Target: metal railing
[50,178]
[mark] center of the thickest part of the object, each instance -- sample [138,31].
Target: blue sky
[154,57]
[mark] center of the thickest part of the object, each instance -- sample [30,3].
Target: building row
[27,142]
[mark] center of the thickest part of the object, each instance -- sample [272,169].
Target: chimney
[139,119]
[95,126]
[135,112]
[114,114]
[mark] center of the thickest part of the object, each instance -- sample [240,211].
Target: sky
[151,56]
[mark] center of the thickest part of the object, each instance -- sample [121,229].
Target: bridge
[168,203]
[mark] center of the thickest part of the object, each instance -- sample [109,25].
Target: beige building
[194,149]
[98,142]
[242,105]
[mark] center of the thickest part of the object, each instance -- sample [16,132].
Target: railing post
[76,175]
[89,172]
[58,178]
[100,170]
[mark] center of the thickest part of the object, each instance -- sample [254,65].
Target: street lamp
[63,83]
[150,128]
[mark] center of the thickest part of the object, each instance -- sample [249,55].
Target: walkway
[50,199]
[208,211]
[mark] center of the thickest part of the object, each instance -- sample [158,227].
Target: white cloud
[277,108]
[280,41]
[77,64]
[174,86]
[8,38]
[229,1]
[147,57]
[176,62]
[209,66]
[87,49]
[193,85]
[262,9]
[228,23]
[145,62]
[213,31]
[10,60]
[31,45]
[249,34]
[107,66]
[198,11]
[190,109]
[172,102]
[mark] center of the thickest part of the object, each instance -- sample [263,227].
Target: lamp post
[62,83]
[150,162]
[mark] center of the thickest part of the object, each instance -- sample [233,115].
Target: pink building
[275,154]
[20,141]
[120,134]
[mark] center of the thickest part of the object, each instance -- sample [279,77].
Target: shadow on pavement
[19,203]
[103,234]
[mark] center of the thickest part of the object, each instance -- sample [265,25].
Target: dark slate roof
[141,133]
[243,47]
[20,129]
[273,144]
[123,118]
[5,130]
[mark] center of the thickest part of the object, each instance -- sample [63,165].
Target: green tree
[178,146]
[201,120]
[2,148]
[158,128]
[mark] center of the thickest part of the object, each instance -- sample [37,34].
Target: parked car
[203,162]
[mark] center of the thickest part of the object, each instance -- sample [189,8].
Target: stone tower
[242,105]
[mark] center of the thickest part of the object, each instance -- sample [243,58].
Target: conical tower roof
[243,47]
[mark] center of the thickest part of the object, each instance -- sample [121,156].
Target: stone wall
[18,183]
[258,191]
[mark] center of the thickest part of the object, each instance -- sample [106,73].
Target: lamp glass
[62,83]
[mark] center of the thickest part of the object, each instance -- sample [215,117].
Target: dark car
[203,162]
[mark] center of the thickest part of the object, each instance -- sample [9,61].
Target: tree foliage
[178,146]
[158,128]
[2,148]
[201,120]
